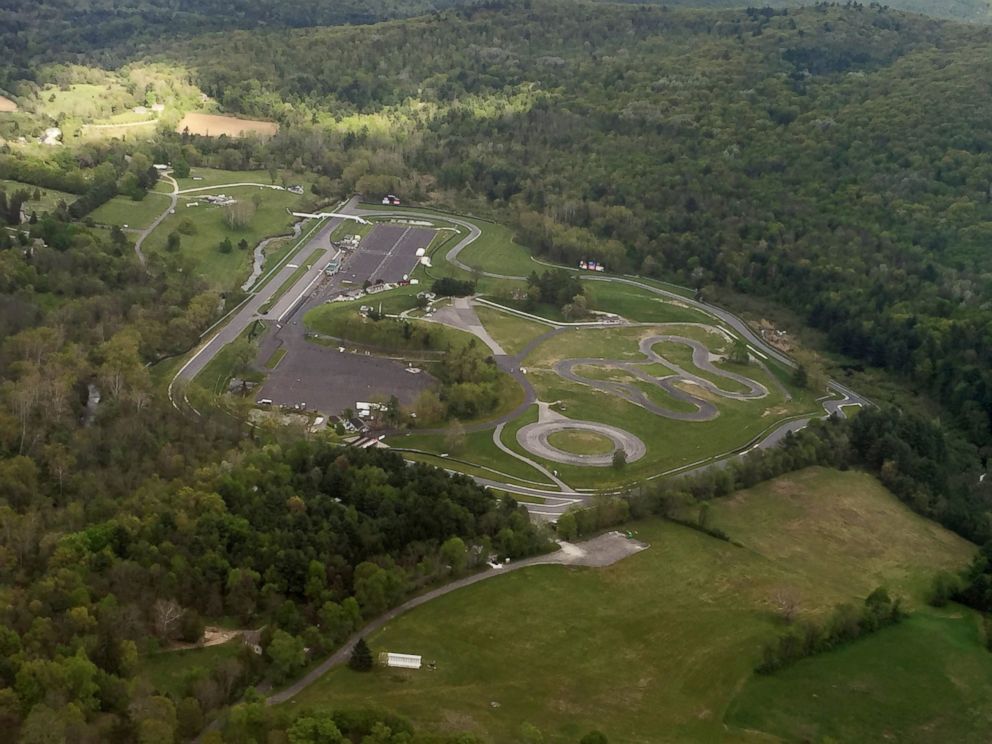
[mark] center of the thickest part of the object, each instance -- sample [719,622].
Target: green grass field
[169,670]
[512,332]
[49,197]
[581,442]
[496,251]
[657,647]
[226,270]
[638,304]
[123,210]
[84,101]
[927,679]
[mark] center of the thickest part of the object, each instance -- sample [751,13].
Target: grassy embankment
[659,646]
[218,372]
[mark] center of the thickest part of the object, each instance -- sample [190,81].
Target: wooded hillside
[780,153]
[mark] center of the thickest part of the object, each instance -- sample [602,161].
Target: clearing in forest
[215,125]
[658,646]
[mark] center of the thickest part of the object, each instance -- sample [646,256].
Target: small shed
[403,661]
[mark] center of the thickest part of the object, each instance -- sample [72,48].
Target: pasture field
[657,647]
[49,197]
[85,102]
[143,129]
[215,125]
[226,270]
[123,210]
[927,679]
[7,106]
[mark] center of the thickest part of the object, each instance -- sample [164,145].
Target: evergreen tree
[361,657]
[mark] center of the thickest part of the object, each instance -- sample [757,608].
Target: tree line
[911,455]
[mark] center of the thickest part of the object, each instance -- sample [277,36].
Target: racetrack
[705,409]
[534,438]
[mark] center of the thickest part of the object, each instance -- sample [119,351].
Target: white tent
[403,661]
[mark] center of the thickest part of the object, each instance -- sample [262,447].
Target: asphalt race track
[705,410]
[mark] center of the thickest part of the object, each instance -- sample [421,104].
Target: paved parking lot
[322,377]
[330,381]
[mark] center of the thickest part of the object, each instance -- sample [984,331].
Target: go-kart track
[705,410]
[329,380]
[535,437]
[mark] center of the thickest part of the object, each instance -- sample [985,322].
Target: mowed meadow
[660,646]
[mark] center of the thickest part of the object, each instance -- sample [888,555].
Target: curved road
[174,198]
[557,500]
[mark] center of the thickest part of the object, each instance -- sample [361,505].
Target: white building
[403,661]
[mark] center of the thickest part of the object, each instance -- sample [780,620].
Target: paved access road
[248,312]
[173,198]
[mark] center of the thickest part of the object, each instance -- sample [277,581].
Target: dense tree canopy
[780,153]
